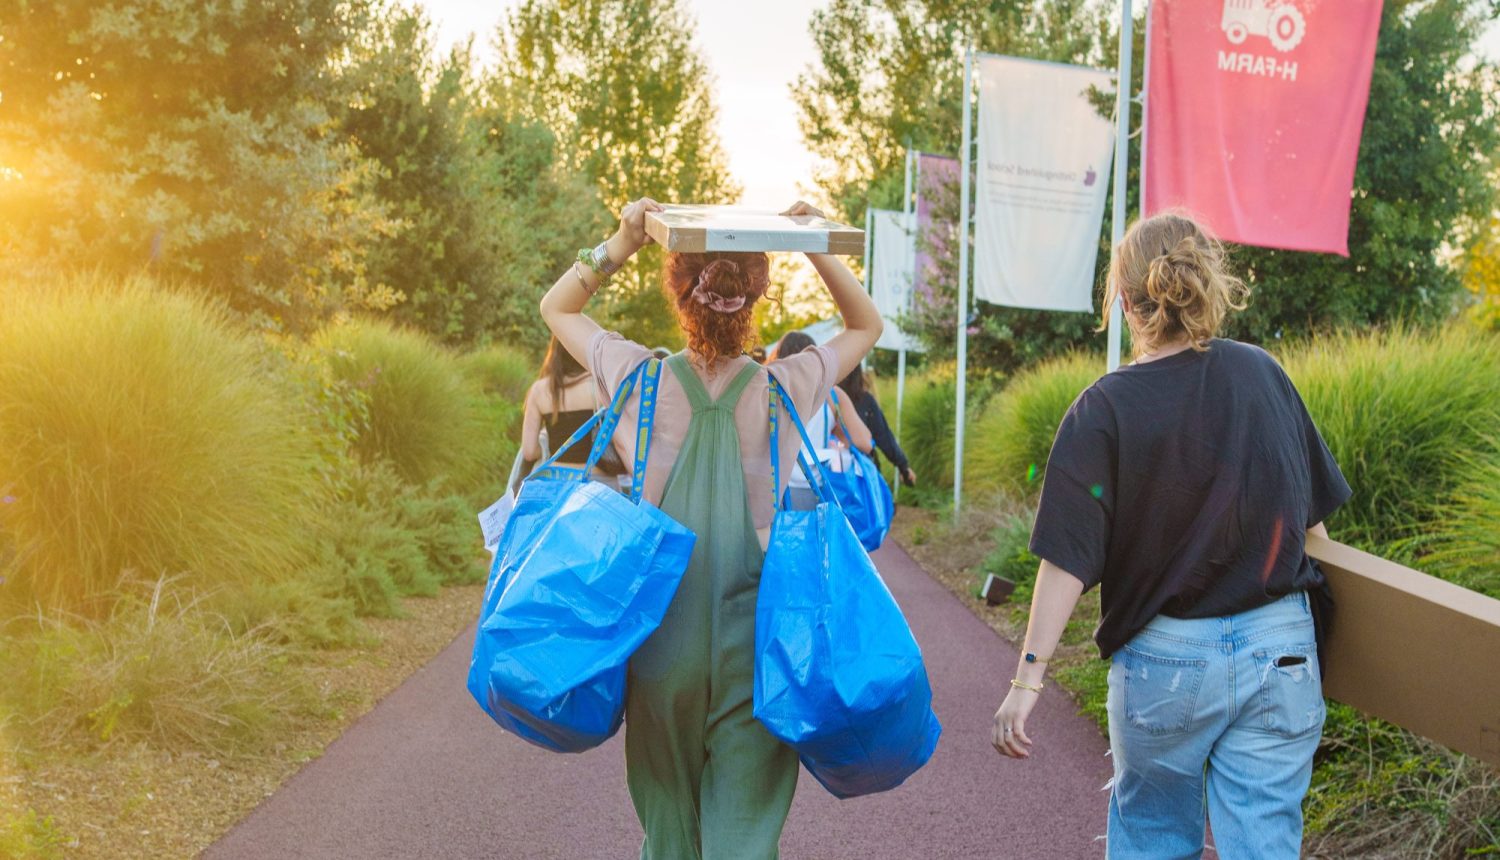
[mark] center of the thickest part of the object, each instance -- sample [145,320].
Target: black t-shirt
[1184,486]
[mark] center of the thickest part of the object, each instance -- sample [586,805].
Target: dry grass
[136,801]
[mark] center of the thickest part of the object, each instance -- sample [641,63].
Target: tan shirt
[807,376]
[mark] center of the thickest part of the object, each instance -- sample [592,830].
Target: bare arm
[862,322]
[562,306]
[854,429]
[1052,603]
[531,427]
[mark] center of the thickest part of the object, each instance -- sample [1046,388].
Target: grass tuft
[1013,437]
[421,414]
[139,437]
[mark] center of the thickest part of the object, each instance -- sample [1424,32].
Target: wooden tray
[1413,649]
[690,228]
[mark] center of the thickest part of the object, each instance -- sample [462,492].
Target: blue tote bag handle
[817,474]
[646,374]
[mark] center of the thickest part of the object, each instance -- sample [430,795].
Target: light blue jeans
[1215,718]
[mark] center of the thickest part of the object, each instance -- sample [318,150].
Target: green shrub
[24,834]
[1402,411]
[160,669]
[421,415]
[927,430]
[500,372]
[1461,542]
[1010,441]
[1011,558]
[448,534]
[367,550]
[501,377]
[140,435]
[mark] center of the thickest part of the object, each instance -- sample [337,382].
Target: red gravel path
[426,774]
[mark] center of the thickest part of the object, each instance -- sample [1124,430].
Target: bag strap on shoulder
[817,474]
[605,420]
[650,386]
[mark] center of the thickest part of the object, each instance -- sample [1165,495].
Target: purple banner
[937,184]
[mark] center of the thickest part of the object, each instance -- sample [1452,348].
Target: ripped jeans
[1216,719]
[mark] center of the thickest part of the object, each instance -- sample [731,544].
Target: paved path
[426,774]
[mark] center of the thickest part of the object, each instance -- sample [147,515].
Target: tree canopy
[629,98]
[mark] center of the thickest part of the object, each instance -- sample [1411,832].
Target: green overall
[707,779]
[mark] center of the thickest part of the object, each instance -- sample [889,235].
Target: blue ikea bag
[582,576]
[862,494]
[838,675]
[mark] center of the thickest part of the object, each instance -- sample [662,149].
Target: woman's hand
[802,207]
[631,236]
[1009,735]
[910,476]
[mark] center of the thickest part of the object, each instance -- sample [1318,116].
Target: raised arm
[862,322]
[562,306]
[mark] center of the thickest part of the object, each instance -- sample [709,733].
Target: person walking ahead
[1184,486]
[706,778]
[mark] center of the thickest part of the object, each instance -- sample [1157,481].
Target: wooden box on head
[697,229]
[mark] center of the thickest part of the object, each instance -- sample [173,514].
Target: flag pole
[906,206]
[963,286]
[1145,88]
[1122,167]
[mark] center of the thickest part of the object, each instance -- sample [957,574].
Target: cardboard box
[1413,649]
[697,229]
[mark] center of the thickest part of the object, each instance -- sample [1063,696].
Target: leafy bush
[927,428]
[501,378]
[500,372]
[421,415]
[1010,442]
[140,436]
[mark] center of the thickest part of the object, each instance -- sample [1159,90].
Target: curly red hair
[715,296]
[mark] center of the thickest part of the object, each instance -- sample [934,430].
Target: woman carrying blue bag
[706,778]
[840,439]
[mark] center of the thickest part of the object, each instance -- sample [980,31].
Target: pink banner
[1254,110]
[937,180]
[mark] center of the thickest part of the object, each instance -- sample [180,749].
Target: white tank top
[830,449]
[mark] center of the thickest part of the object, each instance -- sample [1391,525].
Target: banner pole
[1122,167]
[869,240]
[912,166]
[963,285]
[1145,88]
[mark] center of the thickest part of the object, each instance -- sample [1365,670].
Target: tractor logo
[1277,20]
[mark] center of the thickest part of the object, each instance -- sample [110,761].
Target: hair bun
[1176,278]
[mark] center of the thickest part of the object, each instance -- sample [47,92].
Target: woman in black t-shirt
[874,417]
[1184,485]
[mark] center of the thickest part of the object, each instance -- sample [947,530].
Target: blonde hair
[1176,279]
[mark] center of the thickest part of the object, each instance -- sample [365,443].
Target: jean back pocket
[1161,693]
[1291,689]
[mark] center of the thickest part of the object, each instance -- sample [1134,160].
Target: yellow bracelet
[1022,685]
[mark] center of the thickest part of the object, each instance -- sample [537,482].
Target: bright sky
[755,49]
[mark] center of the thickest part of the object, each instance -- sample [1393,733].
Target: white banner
[1040,183]
[892,264]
